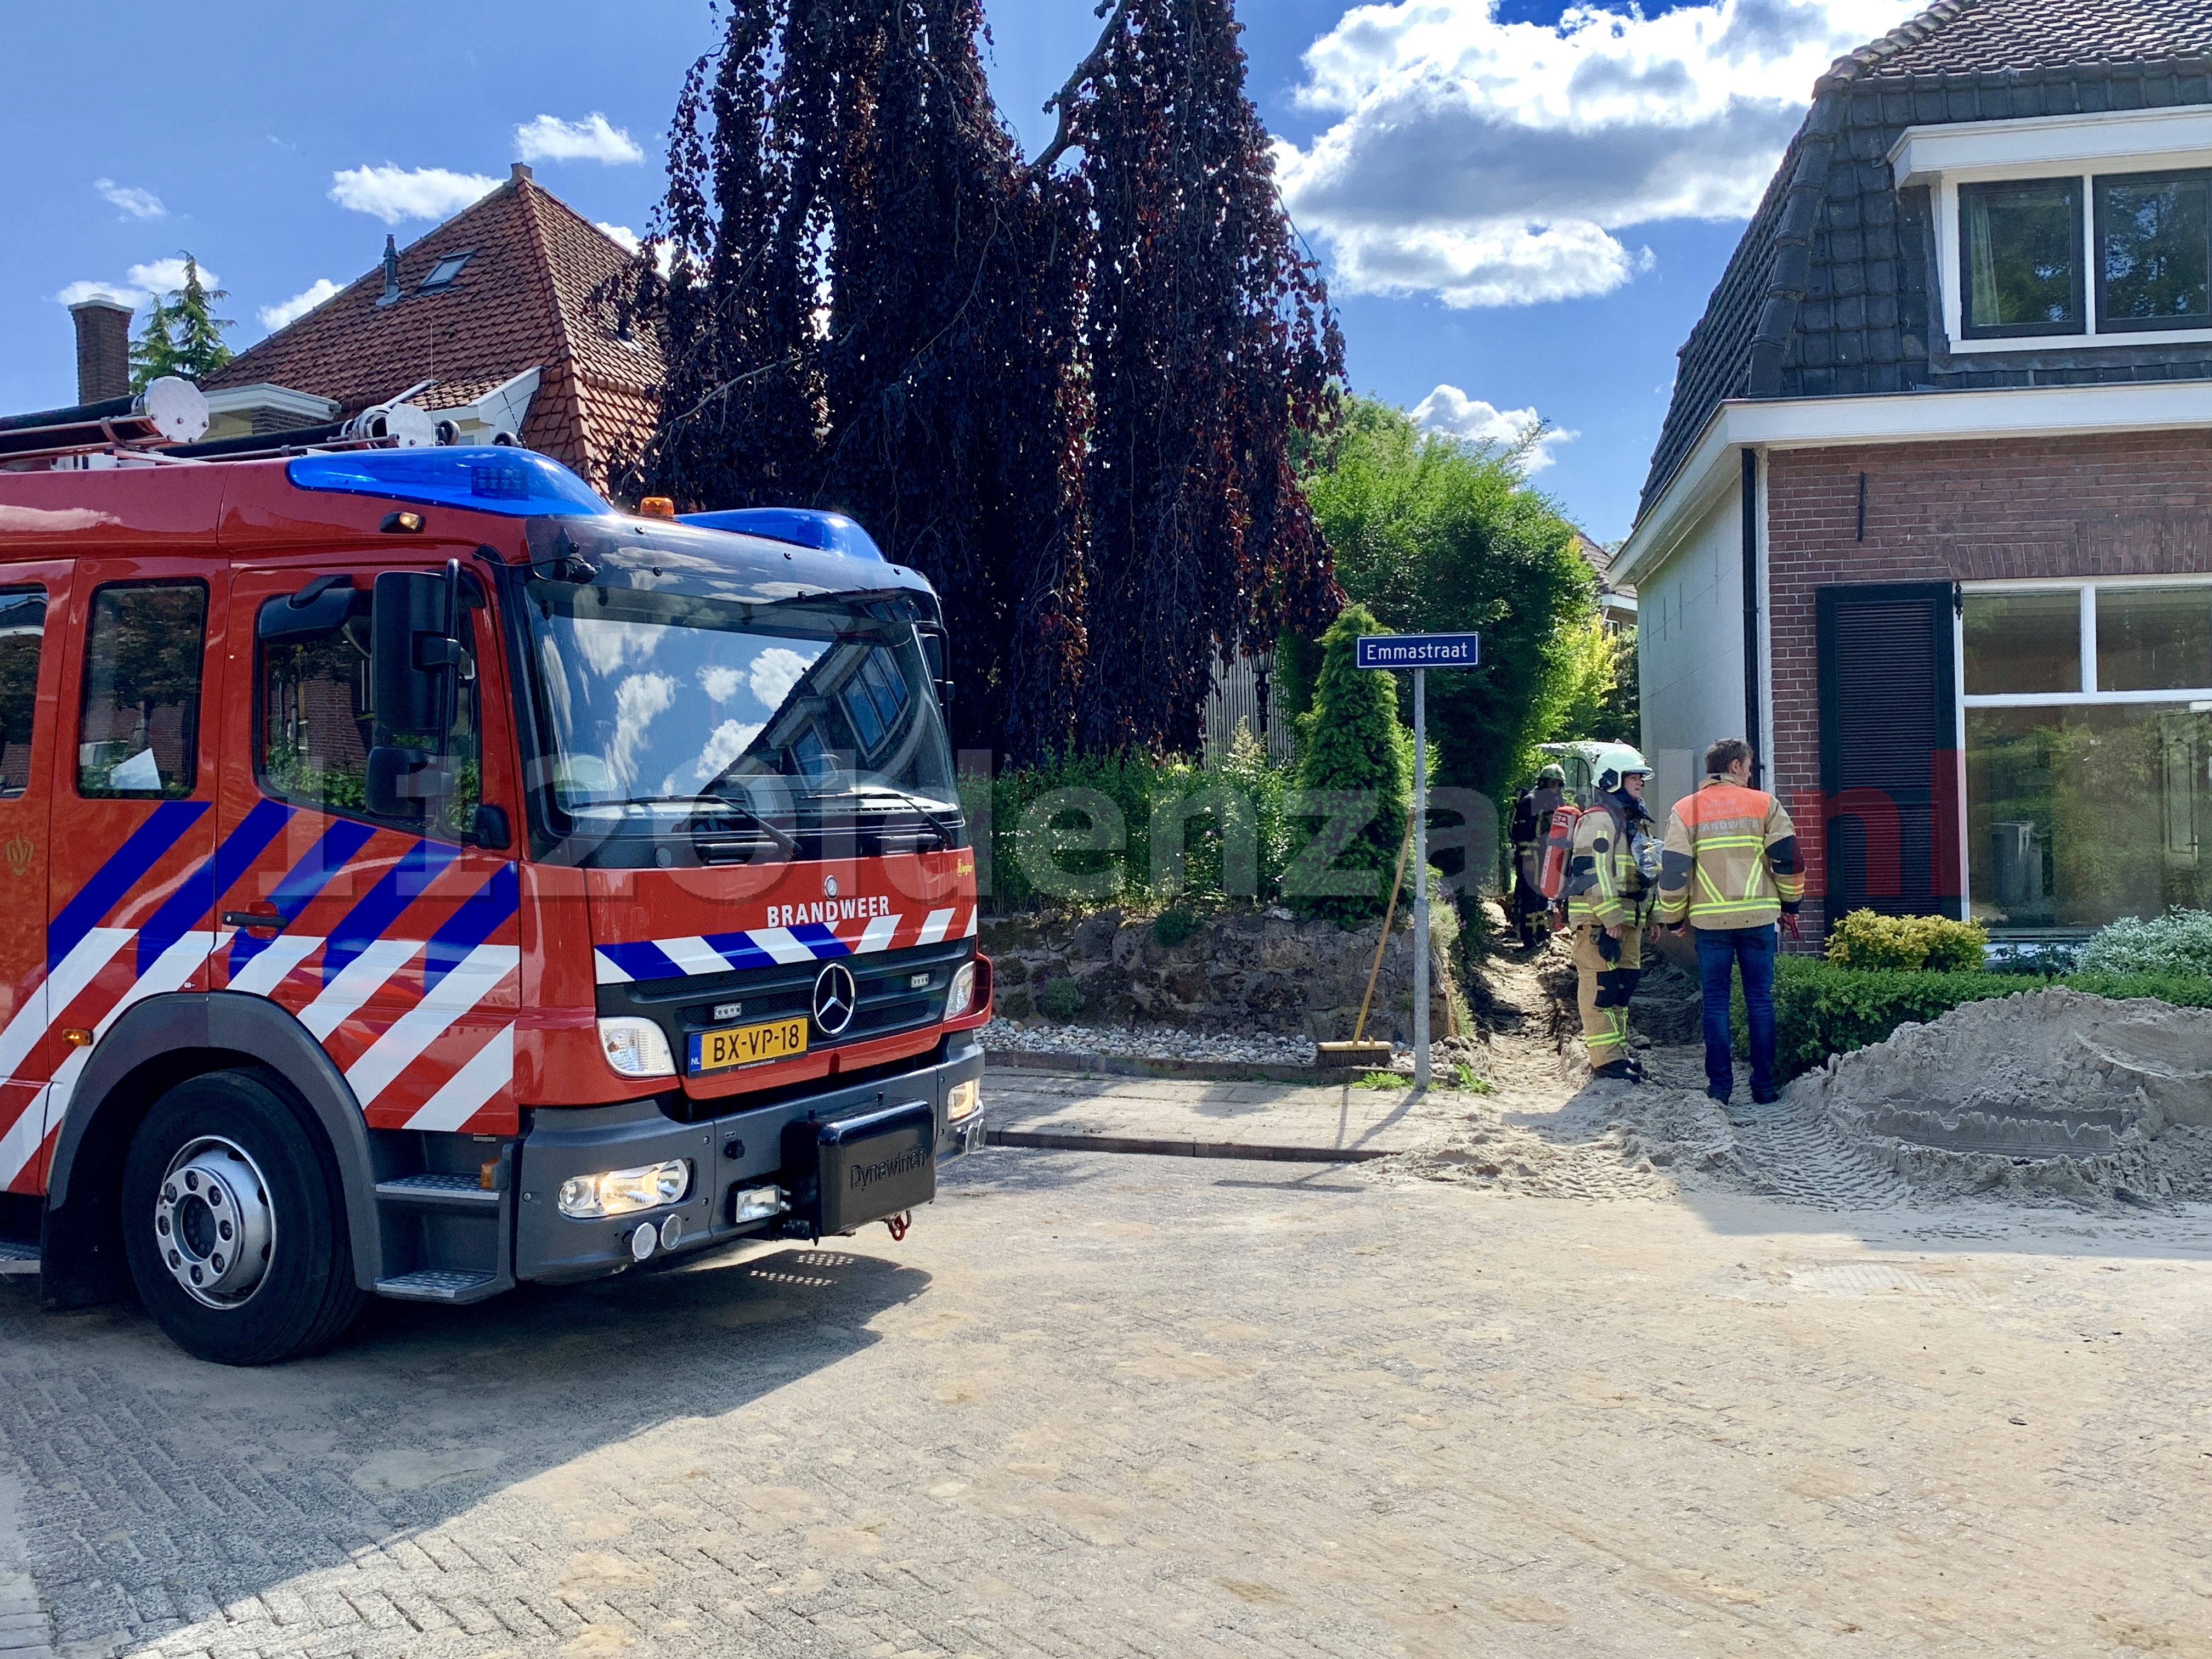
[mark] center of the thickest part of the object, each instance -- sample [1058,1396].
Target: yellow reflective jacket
[1730,859]
[1603,885]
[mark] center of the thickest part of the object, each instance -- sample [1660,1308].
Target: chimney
[518,173]
[391,294]
[103,349]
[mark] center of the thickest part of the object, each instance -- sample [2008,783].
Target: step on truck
[417,877]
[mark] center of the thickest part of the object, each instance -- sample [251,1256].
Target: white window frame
[2082,148]
[2087,587]
[2198,700]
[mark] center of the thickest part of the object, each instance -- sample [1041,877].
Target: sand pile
[2049,1092]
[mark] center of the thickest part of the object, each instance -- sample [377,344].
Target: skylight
[443,273]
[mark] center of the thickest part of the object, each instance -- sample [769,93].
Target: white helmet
[1619,764]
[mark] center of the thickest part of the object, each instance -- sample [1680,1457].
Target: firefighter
[1730,872]
[1532,821]
[1611,872]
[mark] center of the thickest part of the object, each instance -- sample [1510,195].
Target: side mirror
[415,680]
[316,610]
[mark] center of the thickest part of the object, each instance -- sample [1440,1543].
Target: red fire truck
[421,877]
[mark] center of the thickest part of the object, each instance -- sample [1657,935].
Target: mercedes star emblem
[836,996]
[829,887]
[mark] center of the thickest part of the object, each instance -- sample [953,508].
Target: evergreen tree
[183,336]
[1352,740]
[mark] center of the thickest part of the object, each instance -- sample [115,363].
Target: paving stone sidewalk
[1074,1112]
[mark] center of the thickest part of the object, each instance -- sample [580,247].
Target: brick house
[1930,516]
[500,309]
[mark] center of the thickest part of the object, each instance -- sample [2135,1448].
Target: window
[23,629]
[443,274]
[2017,642]
[2154,251]
[2021,252]
[2088,752]
[140,730]
[317,722]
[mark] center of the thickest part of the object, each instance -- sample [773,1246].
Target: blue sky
[1518,213]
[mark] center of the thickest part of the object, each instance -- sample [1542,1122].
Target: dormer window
[442,274]
[2022,255]
[2154,247]
[2070,231]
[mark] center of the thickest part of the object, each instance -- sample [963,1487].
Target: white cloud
[723,744]
[622,234]
[608,644]
[391,193]
[721,683]
[1450,411]
[637,700]
[275,316]
[775,672]
[1490,163]
[548,139]
[144,282]
[138,204]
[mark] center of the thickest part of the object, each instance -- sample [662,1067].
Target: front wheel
[233,1222]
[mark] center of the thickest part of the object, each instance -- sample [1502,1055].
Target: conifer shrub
[1351,744]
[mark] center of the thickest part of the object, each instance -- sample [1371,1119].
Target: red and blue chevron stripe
[400,954]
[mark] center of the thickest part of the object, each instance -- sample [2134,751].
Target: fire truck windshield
[660,699]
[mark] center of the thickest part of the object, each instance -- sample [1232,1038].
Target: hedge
[1822,1009]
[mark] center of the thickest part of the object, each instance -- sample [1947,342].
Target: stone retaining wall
[1252,972]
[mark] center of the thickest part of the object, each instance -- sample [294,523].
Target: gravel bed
[1156,1042]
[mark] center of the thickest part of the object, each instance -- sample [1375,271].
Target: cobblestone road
[1118,1406]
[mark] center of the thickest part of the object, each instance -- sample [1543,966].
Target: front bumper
[745,1147]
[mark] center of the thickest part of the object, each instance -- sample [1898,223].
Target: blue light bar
[802,527]
[519,483]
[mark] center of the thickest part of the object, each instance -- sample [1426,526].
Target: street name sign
[1419,650]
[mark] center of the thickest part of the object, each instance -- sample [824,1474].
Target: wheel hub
[212,1222]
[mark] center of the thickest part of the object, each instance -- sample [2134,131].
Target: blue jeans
[1720,949]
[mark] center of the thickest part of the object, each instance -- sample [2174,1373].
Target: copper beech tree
[1065,388]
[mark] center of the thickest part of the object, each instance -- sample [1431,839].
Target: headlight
[620,1191]
[637,1047]
[960,1104]
[962,991]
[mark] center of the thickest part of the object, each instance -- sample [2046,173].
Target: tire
[223,1157]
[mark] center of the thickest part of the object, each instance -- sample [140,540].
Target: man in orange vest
[1729,870]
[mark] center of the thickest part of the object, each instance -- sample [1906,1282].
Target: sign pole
[1420,878]
[1420,653]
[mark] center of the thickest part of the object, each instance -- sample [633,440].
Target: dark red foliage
[1065,396]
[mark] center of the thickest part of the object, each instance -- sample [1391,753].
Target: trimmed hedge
[1822,1009]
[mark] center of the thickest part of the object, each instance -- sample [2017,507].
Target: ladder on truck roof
[163,425]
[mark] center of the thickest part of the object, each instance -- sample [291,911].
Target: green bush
[1936,944]
[2178,942]
[1098,821]
[1353,742]
[1174,925]
[2183,990]
[1062,998]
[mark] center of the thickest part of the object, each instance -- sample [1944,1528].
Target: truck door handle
[253,921]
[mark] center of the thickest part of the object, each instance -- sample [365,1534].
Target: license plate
[742,1045]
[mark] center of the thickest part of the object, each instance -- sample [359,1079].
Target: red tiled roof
[524,300]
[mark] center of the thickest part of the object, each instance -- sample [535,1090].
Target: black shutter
[1889,741]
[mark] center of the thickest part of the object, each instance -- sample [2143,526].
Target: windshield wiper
[788,843]
[922,807]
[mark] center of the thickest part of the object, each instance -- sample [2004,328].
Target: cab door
[130,871]
[392,937]
[32,597]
